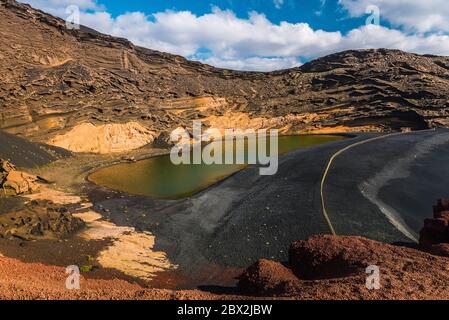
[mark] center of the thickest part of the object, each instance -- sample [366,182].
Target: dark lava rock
[441,249]
[270,278]
[441,206]
[39,220]
[436,229]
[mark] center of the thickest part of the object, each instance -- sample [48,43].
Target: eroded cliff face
[54,79]
[104,139]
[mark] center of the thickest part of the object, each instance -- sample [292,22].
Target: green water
[159,178]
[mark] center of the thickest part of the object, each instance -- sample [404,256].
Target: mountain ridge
[57,78]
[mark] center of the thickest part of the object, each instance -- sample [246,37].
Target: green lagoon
[158,177]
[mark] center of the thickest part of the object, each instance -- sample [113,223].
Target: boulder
[14,182]
[441,249]
[6,166]
[326,257]
[442,205]
[39,220]
[436,229]
[442,215]
[268,278]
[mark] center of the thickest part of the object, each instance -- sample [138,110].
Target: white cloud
[412,15]
[254,43]
[224,34]
[254,63]
[278,3]
[372,36]
[58,7]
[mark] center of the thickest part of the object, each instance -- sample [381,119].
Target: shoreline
[174,219]
[144,157]
[171,221]
[140,154]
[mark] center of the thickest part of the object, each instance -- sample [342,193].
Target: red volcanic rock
[325,257]
[334,267]
[442,215]
[442,205]
[268,278]
[436,229]
[441,249]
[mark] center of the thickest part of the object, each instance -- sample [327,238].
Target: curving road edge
[329,164]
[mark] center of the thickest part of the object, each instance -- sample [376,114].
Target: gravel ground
[236,221]
[20,280]
[389,185]
[26,154]
[377,190]
[248,216]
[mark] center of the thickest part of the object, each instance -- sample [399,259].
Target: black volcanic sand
[248,216]
[26,154]
[399,177]
[236,221]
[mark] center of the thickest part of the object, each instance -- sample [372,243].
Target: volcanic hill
[58,83]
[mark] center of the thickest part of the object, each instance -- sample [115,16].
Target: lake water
[158,177]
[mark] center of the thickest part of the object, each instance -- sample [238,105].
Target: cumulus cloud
[252,43]
[254,63]
[372,36]
[412,15]
[230,38]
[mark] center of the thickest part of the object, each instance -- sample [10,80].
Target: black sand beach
[381,190]
[248,216]
[24,153]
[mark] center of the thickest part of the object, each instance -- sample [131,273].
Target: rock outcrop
[14,182]
[335,267]
[70,77]
[434,236]
[39,220]
[327,258]
[107,138]
[267,277]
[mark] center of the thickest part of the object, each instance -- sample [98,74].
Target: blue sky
[319,14]
[266,34]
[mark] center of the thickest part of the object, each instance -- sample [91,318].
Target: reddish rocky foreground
[322,267]
[328,267]
[19,280]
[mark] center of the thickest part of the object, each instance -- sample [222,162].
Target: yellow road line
[335,155]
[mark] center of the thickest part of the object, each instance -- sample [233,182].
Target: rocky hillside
[335,267]
[53,79]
